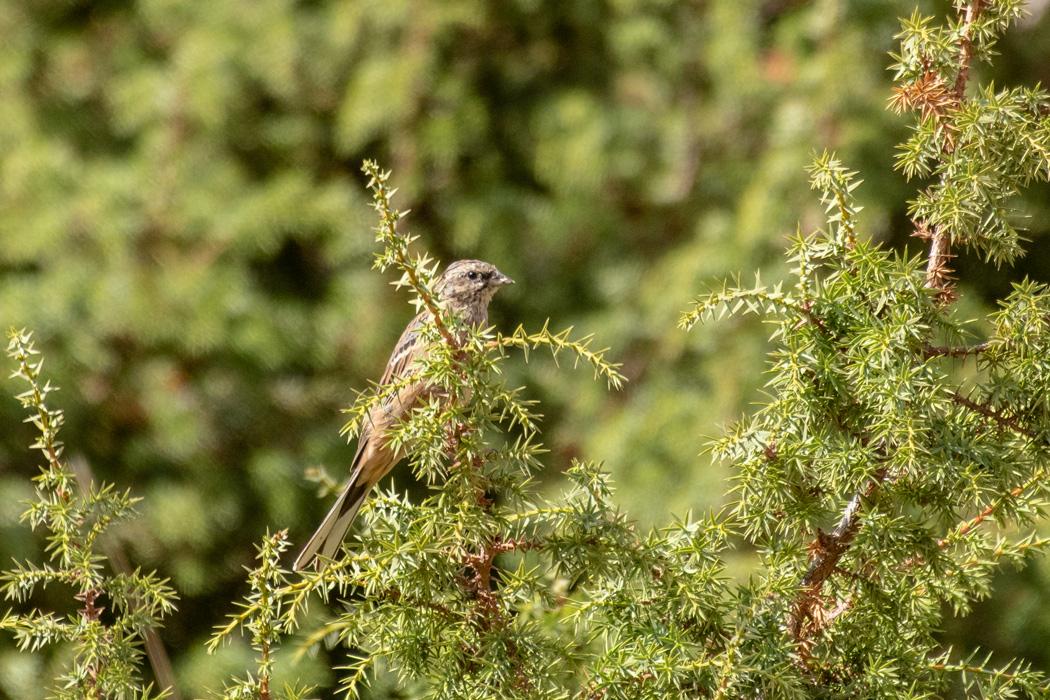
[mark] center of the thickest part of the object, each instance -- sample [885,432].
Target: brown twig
[996,415]
[827,551]
[155,651]
[481,562]
[90,613]
[1004,421]
[931,351]
[488,601]
[973,11]
[965,527]
[938,274]
[264,678]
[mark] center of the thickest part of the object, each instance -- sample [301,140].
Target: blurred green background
[184,225]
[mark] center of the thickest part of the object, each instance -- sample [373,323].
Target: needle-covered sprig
[106,649]
[459,594]
[881,479]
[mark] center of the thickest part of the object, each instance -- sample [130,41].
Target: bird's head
[470,284]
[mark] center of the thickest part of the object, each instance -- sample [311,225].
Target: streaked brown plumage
[466,288]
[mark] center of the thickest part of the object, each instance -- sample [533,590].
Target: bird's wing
[404,351]
[399,363]
[370,462]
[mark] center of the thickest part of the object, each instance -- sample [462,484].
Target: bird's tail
[333,529]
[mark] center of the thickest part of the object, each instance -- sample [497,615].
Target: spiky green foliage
[873,420]
[105,651]
[264,619]
[871,423]
[436,606]
[897,462]
[183,225]
[979,150]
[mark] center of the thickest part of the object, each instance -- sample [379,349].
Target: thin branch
[757,300]
[964,528]
[389,219]
[966,47]
[991,673]
[396,596]
[264,678]
[1028,545]
[557,342]
[155,651]
[828,550]
[931,351]
[997,416]
[938,274]
[1005,422]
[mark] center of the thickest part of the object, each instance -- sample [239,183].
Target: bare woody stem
[431,305]
[973,11]
[828,552]
[931,351]
[937,270]
[829,548]
[264,678]
[991,510]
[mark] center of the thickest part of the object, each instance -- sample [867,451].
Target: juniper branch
[397,246]
[756,300]
[965,527]
[930,351]
[996,415]
[559,342]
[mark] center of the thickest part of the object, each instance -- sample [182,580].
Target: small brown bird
[466,288]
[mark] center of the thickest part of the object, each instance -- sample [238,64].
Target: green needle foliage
[262,617]
[872,421]
[980,150]
[106,650]
[900,458]
[461,595]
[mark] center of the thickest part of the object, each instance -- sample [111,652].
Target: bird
[465,288]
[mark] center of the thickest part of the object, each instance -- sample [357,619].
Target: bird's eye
[472,275]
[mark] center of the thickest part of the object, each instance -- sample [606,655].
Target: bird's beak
[502,280]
